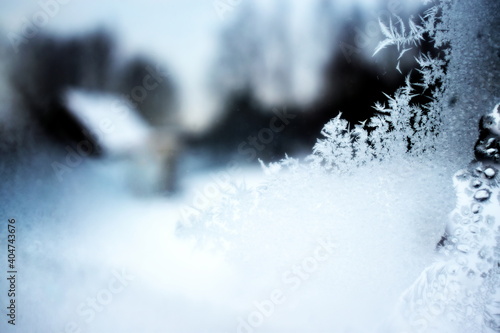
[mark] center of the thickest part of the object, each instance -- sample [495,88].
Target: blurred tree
[48,66]
[256,71]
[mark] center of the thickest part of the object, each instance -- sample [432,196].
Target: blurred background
[166,89]
[120,119]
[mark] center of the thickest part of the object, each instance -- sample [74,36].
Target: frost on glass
[460,291]
[382,191]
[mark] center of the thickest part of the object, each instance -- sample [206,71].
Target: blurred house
[84,101]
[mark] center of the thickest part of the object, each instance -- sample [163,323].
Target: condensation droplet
[476,183]
[463,248]
[489,172]
[474,229]
[476,208]
[482,195]
[482,253]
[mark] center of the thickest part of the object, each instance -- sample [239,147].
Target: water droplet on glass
[474,229]
[476,208]
[482,195]
[476,183]
[482,253]
[489,172]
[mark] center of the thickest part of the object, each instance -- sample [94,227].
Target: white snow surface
[339,252]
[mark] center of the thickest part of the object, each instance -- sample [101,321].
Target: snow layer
[336,249]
